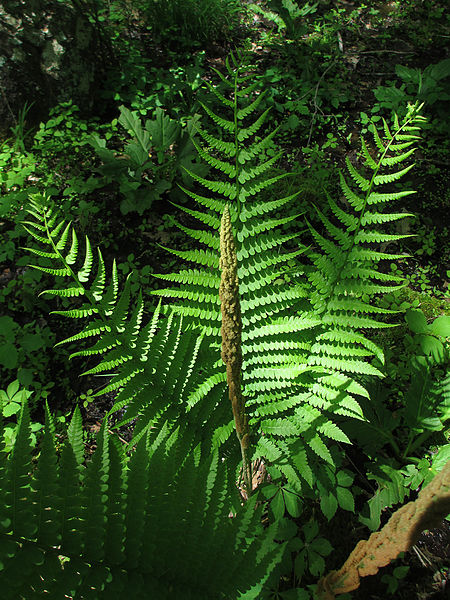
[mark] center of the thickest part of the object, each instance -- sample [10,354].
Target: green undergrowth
[119,176]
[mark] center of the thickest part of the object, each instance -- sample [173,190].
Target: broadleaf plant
[150,162]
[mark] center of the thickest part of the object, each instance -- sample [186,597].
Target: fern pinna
[155,525]
[301,343]
[152,368]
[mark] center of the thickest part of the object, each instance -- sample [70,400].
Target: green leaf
[25,376]
[440,70]
[8,356]
[293,122]
[75,435]
[32,342]
[293,504]
[286,529]
[441,326]
[328,505]
[163,130]
[345,499]
[269,490]
[344,478]
[401,572]
[140,148]
[300,564]
[408,75]
[7,327]
[277,505]
[433,346]
[12,408]
[316,563]
[413,476]
[13,388]
[441,458]
[310,530]
[322,546]
[416,320]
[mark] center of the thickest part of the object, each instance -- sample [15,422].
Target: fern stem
[231,340]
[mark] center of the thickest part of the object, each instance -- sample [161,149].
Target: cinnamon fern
[304,344]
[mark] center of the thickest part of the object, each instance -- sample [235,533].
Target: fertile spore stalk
[231,339]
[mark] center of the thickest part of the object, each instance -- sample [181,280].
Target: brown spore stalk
[231,339]
[398,535]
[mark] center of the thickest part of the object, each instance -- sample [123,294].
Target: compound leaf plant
[106,529]
[304,345]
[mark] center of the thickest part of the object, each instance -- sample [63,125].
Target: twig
[316,107]
[383,51]
[110,431]
[421,556]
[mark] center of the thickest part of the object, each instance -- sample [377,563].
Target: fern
[123,525]
[271,352]
[152,368]
[302,345]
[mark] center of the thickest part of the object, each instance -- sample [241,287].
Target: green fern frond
[346,273]
[346,269]
[151,370]
[107,528]
[302,345]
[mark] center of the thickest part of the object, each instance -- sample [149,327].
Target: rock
[49,52]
